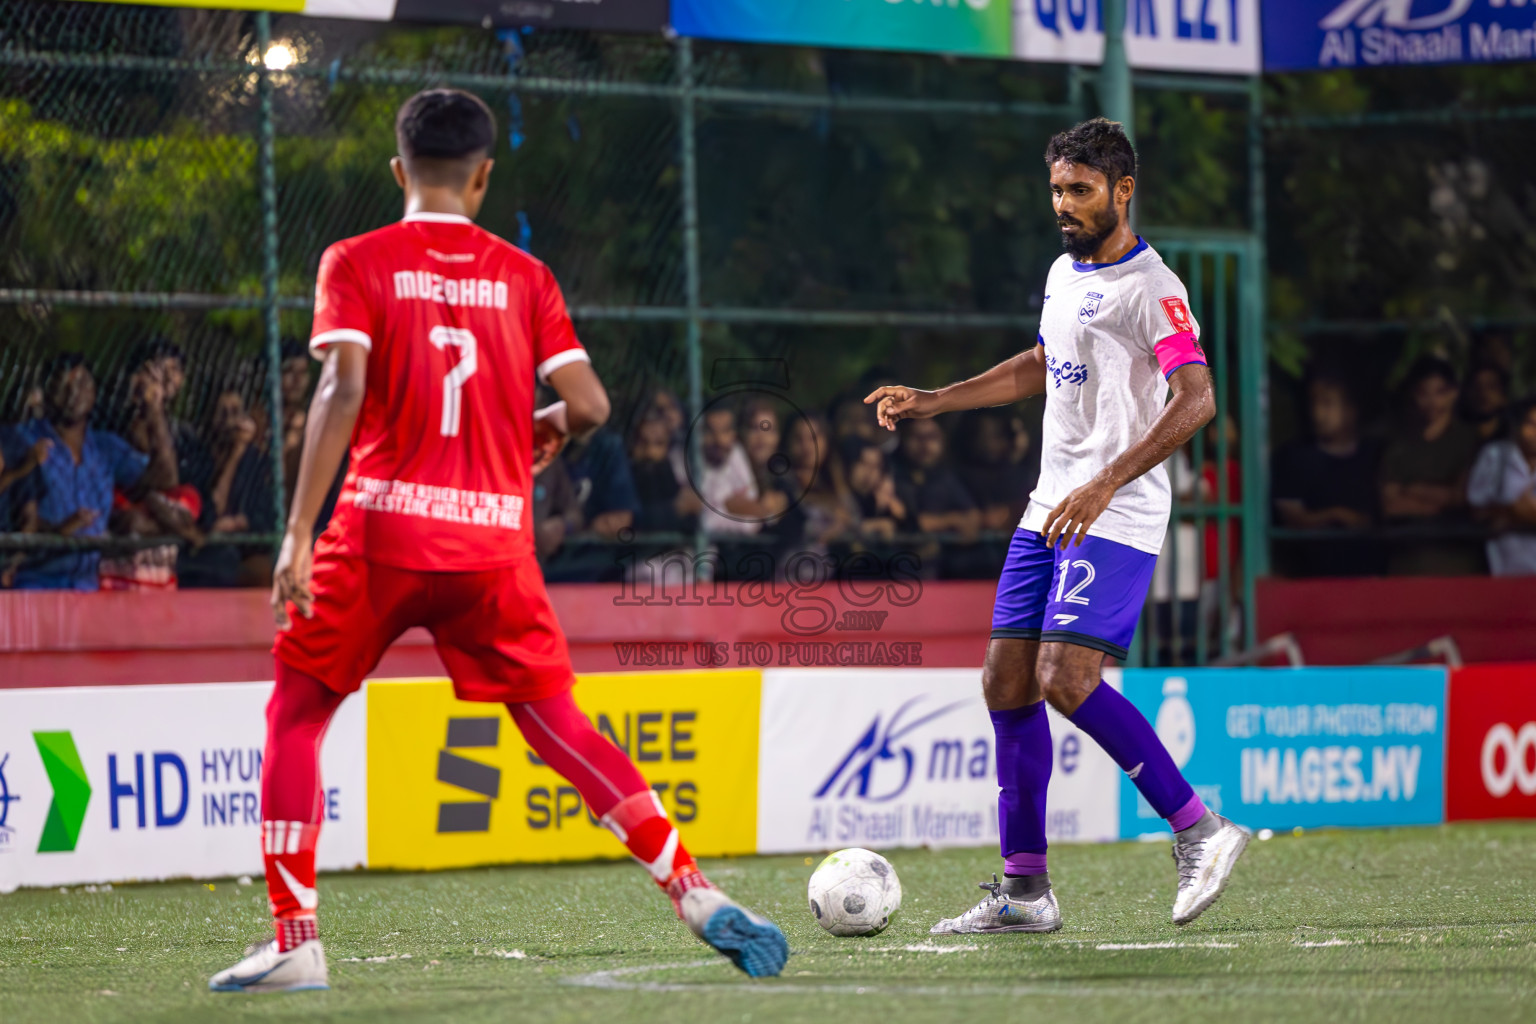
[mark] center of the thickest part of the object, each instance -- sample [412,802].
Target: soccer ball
[854,892]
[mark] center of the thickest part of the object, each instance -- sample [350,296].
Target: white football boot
[264,969]
[1204,867]
[1002,911]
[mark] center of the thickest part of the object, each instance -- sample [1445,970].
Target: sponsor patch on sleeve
[1177,313]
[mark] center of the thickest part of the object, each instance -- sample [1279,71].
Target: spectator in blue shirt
[76,481]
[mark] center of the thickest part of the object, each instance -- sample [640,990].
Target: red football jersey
[457,323]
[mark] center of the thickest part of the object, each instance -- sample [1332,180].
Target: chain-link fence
[172,177]
[1402,246]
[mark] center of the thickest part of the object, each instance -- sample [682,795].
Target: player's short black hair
[444,124]
[1426,367]
[1098,143]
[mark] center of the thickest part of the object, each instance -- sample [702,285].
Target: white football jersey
[1111,331]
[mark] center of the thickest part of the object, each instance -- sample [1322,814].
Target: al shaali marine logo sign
[71,791]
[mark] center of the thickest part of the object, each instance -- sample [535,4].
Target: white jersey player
[1116,336]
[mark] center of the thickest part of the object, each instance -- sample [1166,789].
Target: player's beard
[1089,237]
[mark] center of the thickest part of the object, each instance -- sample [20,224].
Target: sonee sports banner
[453,783]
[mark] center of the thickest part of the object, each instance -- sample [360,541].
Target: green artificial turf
[1410,924]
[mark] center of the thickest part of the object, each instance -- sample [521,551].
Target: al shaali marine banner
[880,759]
[1302,35]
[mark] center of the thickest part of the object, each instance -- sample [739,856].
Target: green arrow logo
[71,791]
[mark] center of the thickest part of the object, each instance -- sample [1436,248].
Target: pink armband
[1178,350]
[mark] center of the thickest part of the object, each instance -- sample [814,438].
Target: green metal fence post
[267,172]
[690,200]
[1116,96]
[1253,368]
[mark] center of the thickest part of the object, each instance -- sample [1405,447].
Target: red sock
[288,850]
[297,716]
[612,787]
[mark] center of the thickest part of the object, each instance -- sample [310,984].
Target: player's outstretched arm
[328,432]
[1010,381]
[1192,406]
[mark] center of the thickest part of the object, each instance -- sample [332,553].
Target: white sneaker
[264,969]
[1204,867]
[752,943]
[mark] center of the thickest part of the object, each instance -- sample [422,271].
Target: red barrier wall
[1353,621]
[68,639]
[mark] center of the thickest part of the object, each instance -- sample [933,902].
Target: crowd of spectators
[774,480]
[94,463]
[1448,489]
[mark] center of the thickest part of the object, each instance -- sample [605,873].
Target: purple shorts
[1089,594]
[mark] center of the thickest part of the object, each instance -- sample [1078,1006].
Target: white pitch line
[617,979]
[1166,945]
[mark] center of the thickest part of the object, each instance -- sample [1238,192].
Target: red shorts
[495,630]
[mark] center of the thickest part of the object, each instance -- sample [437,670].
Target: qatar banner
[1490,769]
[1207,36]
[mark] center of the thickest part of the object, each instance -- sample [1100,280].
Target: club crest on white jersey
[1089,307]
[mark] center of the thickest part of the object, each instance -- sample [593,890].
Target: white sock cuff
[631,812]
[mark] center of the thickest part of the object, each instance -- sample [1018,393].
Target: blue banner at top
[1302,35]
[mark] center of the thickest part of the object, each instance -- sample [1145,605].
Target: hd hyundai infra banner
[1301,35]
[114,783]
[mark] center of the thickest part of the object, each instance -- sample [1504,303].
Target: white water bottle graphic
[1176,721]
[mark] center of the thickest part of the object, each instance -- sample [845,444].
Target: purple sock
[1127,736]
[1024,758]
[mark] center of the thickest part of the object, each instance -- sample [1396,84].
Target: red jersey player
[432,331]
